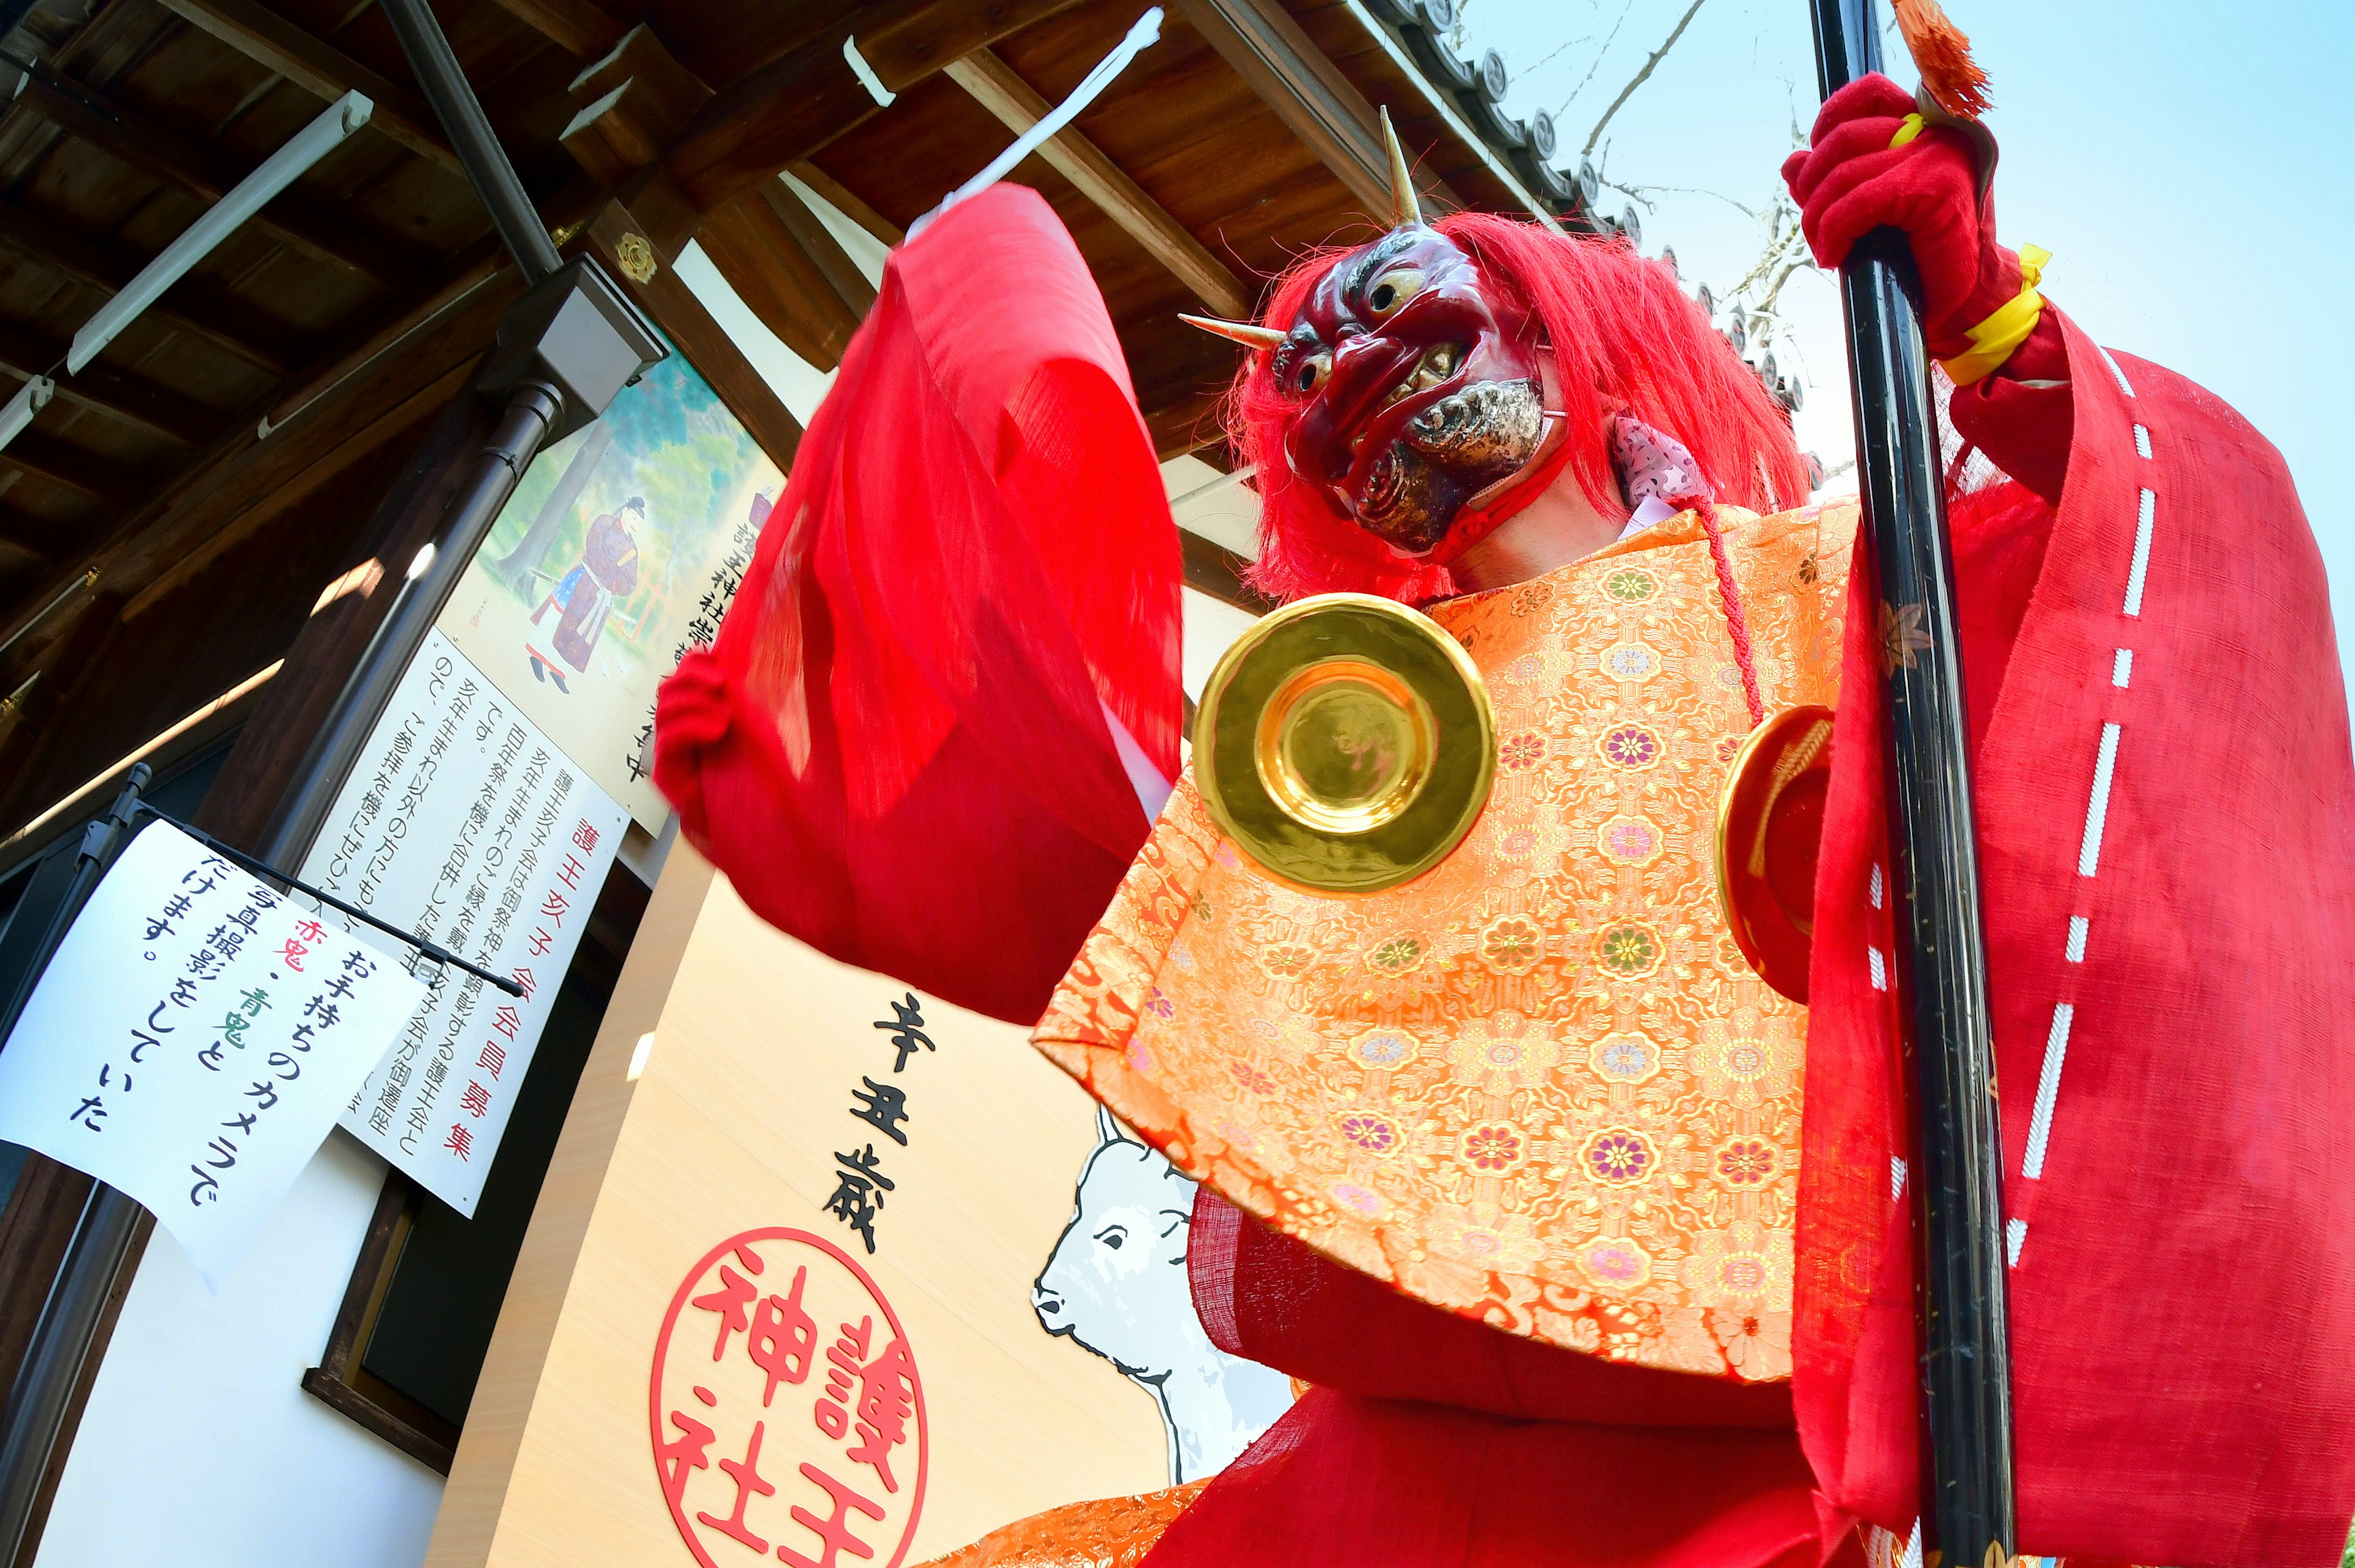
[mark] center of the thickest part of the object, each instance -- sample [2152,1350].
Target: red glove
[1850,181]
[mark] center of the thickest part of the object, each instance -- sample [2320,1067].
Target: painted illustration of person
[584,596]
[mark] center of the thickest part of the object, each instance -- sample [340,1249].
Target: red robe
[2165,811]
[862,754]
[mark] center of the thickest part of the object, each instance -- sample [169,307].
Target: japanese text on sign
[859,1184]
[465,825]
[192,1040]
[787,1416]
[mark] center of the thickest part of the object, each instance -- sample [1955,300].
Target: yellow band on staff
[1993,340]
[1906,132]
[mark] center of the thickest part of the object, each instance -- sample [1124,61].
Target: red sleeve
[2023,416]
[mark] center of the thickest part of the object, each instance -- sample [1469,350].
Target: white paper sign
[193,1039]
[463,824]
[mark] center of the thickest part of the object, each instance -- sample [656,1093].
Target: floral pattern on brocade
[1536,1085]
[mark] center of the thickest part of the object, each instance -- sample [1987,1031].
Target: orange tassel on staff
[1942,52]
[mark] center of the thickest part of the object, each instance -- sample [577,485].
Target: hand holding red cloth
[901,748]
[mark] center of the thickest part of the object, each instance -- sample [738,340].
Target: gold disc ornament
[1770,826]
[1344,743]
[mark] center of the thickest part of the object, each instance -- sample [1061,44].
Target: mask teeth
[1406,211]
[1250,335]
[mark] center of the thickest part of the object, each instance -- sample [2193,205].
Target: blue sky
[2188,166]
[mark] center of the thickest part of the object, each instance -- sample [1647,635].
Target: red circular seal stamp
[787,1416]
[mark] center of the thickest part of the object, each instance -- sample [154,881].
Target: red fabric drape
[2165,802]
[898,748]
[1436,1440]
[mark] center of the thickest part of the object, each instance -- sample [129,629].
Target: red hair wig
[1624,339]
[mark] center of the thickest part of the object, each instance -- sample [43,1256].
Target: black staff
[1966,1357]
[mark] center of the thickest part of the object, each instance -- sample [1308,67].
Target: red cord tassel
[1736,623]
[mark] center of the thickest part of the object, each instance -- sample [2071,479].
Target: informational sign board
[621,548]
[465,824]
[916,1169]
[194,1038]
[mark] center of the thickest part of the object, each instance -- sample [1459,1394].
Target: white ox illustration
[1116,1285]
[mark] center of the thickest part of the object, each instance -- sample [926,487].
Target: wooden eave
[216,439]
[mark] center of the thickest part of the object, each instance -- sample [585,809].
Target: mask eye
[1305,375]
[1391,290]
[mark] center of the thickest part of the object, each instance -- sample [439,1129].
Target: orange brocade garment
[1538,1086]
[1112,1532]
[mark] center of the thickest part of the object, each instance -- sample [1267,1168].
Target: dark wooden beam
[998,88]
[1186,424]
[208,176]
[795,104]
[103,391]
[298,487]
[577,27]
[847,201]
[764,262]
[631,104]
[1302,86]
[22,533]
[44,457]
[818,241]
[264,36]
[244,468]
[464,273]
[1213,569]
[192,305]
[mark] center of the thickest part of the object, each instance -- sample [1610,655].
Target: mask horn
[1248,334]
[1406,212]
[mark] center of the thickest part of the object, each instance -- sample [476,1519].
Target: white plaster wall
[1211,626]
[199,1448]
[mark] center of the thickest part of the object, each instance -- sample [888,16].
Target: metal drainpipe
[531,409]
[471,137]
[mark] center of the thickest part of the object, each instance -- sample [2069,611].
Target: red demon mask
[1416,391]
[1416,386]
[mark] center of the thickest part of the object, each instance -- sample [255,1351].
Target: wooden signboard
[696,1216]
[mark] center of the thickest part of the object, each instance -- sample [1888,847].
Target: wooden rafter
[264,36]
[847,202]
[37,456]
[209,175]
[747,238]
[1188,423]
[462,274]
[795,104]
[192,307]
[25,543]
[578,27]
[102,391]
[818,243]
[673,306]
[1306,91]
[391,422]
[998,88]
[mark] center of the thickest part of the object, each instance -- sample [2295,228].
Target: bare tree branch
[1644,75]
[1640,191]
[1596,64]
[1550,55]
